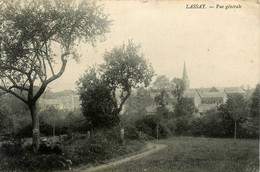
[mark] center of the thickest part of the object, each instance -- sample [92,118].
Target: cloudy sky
[220,47]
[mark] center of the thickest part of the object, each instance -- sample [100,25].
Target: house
[194,96]
[204,99]
[208,98]
[62,102]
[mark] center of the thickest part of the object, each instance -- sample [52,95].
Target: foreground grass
[199,155]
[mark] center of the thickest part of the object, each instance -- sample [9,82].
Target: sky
[220,47]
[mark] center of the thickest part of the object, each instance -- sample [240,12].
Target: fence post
[157,131]
[88,134]
[122,134]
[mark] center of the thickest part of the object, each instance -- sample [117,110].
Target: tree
[160,101]
[125,68]
[29,31]
[111,84]
[179,88]
[162,83]
[6,122]
[184,107]
[255,108]
[97,102]
[51,116]
[14,116]
[237,107]
[136,104]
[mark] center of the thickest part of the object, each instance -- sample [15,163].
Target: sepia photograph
[129,85]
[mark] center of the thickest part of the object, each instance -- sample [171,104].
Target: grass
[194,154]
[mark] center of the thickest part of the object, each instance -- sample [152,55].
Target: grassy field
[198,155]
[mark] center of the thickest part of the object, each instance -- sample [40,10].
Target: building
[62,102]
[208,98]
[185,78]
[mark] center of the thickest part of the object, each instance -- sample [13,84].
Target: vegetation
[179,88]
[237,108]
[97,148]
[254,110]
[237,118]
[29,30]
[184,107]
[101,146]
[136,104]
[97,102]
[104,91]
[162,83]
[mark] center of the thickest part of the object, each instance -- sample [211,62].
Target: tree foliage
[51,116]
[237,108]
[30,30]
[178,87]
[37,38]
[184,107]
[125,68]
[14,115]
[97,102]
[255,106]
[109,85]
[162,83]
[6,123]
[136,104]
[160,99]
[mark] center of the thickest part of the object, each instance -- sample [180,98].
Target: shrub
[12,147]
[131,133]
[18,158]
[100,146]
[148,125]
[182,125]
[43,162]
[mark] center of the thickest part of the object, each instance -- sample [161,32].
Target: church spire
[184,75]
[185,79]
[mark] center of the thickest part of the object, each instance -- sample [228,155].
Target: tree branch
[45,83]
[48,59]
[13,93]
[123,100]
[19,88]
[14,68]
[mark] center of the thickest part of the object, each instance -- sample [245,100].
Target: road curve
[152,148]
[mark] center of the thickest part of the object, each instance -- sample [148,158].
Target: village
[129,86]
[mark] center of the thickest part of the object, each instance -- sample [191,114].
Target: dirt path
[151,148]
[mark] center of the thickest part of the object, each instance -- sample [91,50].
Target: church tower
[185,78]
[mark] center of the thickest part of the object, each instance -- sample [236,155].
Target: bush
[13,147]
[100,146]
[217,124]
[148,125]
[18,158]
[43,162]
[131,133]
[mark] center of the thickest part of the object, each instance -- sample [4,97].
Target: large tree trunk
[35,128]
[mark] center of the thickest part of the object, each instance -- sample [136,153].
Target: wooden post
[157,131]
[235,134]
[122,134]
[88,134]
